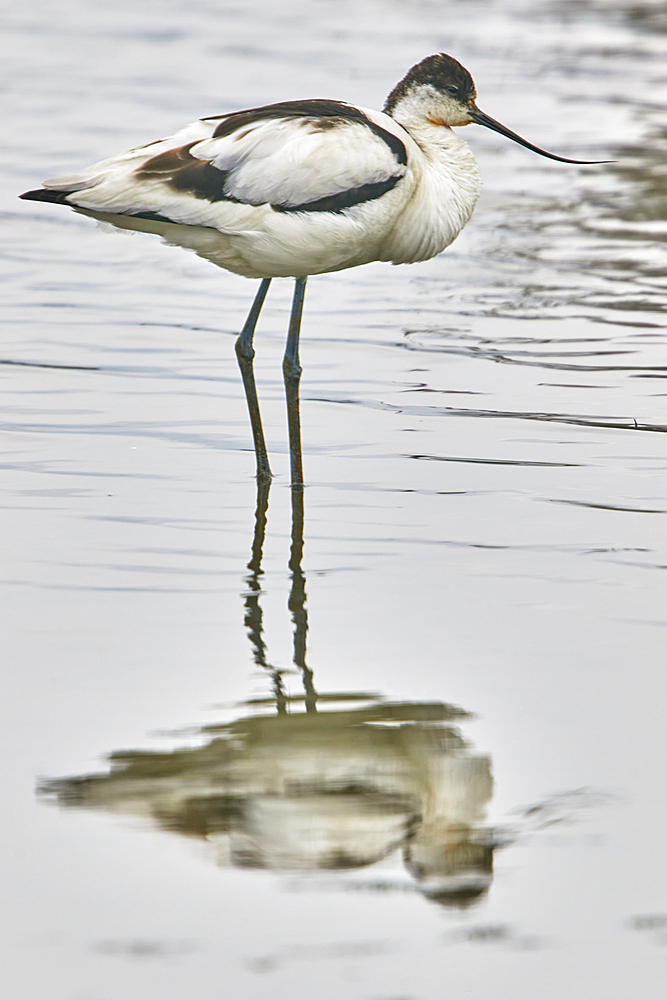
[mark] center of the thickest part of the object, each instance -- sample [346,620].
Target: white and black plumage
[300,188]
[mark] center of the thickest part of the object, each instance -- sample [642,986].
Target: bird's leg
[292,375]
[245,353]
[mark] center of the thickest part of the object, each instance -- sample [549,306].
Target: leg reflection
[297,600]
[253,618]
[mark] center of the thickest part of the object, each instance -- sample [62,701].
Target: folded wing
[309,156]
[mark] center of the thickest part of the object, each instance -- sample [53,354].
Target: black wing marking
[337,203]
[184,172]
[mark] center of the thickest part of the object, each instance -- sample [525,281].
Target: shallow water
[301,798]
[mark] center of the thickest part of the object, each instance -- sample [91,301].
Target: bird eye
[452,90]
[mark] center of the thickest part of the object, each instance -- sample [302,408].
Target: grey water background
[484,448]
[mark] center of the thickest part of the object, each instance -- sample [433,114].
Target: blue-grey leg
[245,353]
[292,376]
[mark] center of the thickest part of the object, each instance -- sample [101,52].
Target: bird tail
[42,194]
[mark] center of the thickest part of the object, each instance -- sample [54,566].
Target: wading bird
[300,188]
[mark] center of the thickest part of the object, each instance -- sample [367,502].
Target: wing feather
[288,162]
[317,156]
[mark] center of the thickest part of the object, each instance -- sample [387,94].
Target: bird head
[441,91]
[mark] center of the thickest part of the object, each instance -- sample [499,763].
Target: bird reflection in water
[315,782]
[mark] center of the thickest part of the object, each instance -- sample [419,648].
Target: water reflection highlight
[314,781]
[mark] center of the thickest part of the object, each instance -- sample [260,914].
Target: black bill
[481,119]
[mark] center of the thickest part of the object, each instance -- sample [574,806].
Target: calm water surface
[405,740]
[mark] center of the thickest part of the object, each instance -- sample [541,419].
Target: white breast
[445,189]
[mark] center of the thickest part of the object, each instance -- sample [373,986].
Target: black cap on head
[440,71]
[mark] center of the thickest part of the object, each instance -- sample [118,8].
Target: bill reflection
[317,781]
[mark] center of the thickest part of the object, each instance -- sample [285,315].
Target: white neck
[427,105]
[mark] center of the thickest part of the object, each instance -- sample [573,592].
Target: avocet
[300,188]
